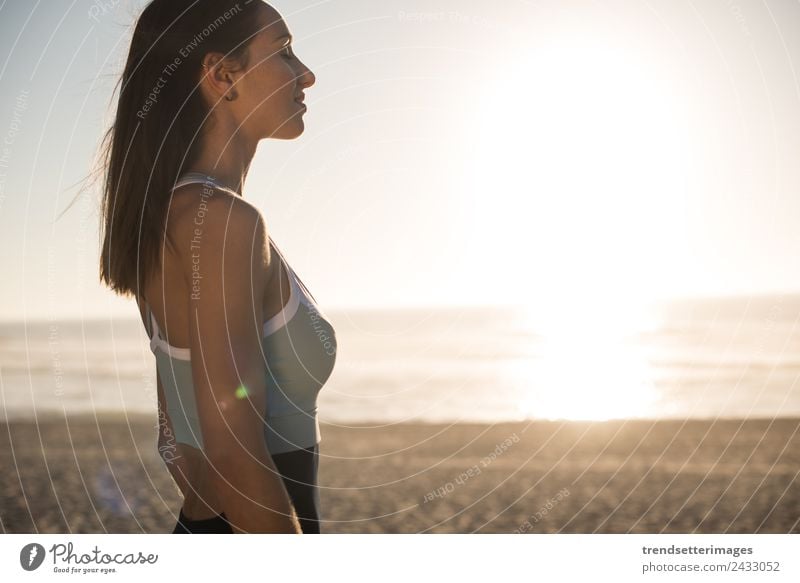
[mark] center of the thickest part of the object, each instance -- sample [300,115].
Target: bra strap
[291,269]
[152,325]
[195,177]
[148,319]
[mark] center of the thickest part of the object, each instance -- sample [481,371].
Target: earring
[230,96]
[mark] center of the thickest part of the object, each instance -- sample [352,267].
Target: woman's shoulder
[197,210]
[215,234]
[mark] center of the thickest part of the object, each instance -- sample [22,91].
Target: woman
[241,348]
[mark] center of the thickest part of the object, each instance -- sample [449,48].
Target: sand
[88,475]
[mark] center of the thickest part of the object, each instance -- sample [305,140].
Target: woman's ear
[219,76]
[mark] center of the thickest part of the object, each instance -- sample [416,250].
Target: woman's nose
[307,77]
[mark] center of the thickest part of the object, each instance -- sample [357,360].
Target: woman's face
[270,90]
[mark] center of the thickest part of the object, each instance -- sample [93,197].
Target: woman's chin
[289,133]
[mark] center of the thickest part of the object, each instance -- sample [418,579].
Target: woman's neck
[228,168]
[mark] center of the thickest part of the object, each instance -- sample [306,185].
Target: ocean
[710,358]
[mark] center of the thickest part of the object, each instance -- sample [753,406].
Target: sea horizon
[704,358]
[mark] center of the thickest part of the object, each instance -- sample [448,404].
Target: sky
[535,153]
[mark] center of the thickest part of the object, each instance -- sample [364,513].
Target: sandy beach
[88,475]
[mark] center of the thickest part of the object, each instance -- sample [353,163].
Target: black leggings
[299,472]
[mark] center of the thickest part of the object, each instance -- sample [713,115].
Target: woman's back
[168,292]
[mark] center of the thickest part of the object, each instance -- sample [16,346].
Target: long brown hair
[159,123]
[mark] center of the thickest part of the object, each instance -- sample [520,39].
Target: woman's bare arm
[226,262]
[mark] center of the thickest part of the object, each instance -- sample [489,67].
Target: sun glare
[579,168]
[578,165]
[587,365]
[576,380]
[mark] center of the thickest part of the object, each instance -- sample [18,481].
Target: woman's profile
[241,347]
